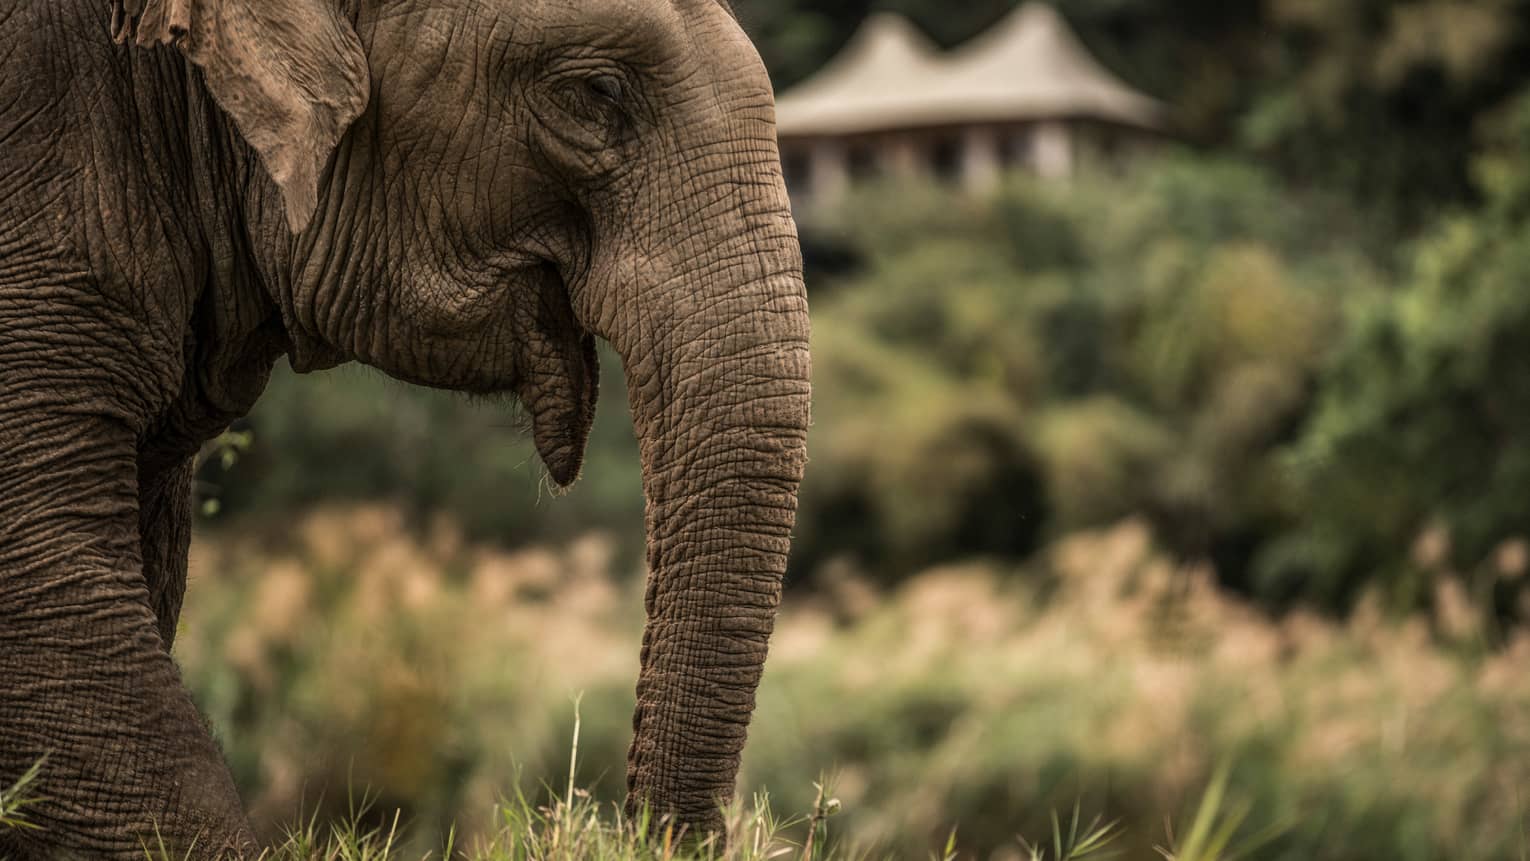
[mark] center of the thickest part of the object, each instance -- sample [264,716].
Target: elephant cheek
[559,391]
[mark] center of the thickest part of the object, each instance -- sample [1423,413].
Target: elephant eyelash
[609,88]
[598,99]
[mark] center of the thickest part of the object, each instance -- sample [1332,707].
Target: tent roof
[1030,66]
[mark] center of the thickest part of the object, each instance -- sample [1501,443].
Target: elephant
[464,194]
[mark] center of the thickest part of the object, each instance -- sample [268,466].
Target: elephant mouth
[561,382]
[561,419]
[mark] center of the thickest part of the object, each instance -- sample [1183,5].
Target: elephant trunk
[719,393]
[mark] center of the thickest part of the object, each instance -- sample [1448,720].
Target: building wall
[821,170]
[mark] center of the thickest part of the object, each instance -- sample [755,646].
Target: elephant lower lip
[564,467]
[561,447]
[561,400]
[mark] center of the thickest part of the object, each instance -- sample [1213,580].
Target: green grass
[573,826]
[576,828]
[1093,841]
[15,799]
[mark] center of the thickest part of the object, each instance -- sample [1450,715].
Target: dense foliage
[1419,445]
[1058,357]
[1199,345]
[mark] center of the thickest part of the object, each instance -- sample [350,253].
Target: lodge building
[1024,94]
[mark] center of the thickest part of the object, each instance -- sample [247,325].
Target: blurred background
[1172,410]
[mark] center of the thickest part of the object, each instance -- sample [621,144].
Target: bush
[1136,343]
[1422,425]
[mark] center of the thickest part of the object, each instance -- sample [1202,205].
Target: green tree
[1423,424]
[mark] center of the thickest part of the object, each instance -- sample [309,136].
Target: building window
[797,169]
[861,160]
[946,158]
[1015,149]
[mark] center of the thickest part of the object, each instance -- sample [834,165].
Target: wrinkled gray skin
[463,193]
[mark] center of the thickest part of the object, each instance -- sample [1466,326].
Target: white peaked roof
[869,81]
[1030,66]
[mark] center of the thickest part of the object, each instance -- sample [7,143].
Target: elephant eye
[608,87]
[597,99]
[593,109]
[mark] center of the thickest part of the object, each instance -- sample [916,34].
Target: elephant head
[466,193]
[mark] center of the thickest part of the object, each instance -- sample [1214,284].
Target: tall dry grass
[358,651]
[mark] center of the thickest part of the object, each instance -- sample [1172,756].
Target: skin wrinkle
[475,228]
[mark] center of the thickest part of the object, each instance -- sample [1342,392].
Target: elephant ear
[291,74]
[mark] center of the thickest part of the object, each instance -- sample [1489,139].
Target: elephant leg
[86,683]
[164,527]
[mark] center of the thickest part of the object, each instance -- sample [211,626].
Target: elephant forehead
[656,30]
[727,5]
